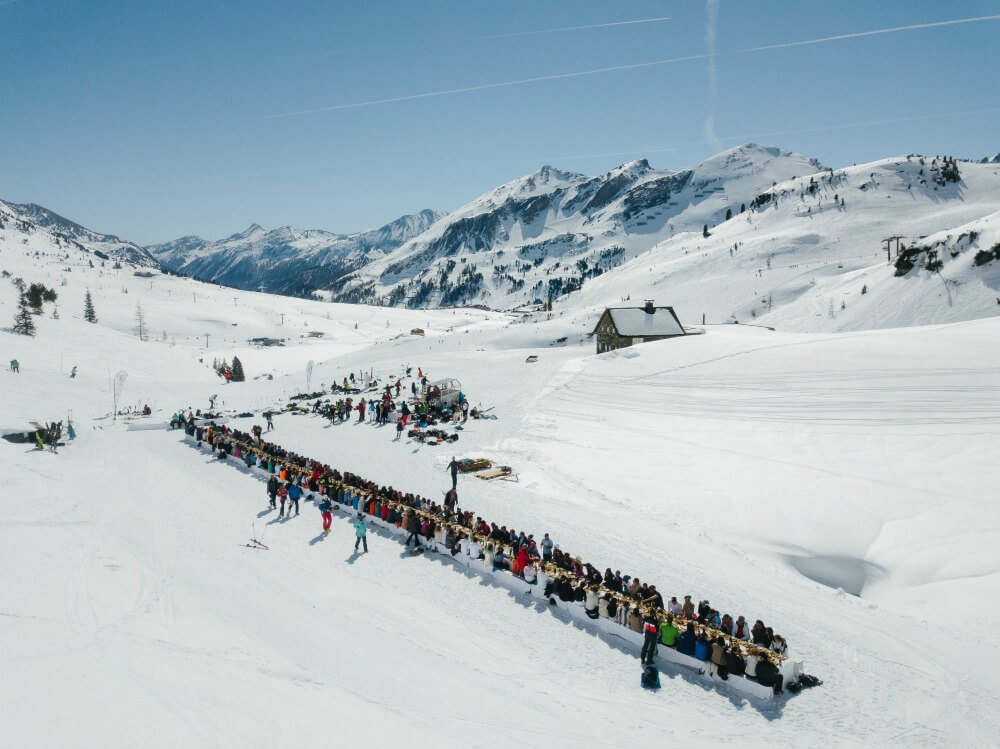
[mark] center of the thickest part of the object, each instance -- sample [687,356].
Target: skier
[272,491]
[325,507]
[361,531]
[294,493]
[453,467]
[72,372]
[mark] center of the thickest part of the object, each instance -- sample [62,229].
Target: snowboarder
[361,531]
[294,493]
[453,467]
[326,508]
[72,372]
[15,365]
[272,491]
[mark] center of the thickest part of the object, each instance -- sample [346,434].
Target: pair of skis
[253,543]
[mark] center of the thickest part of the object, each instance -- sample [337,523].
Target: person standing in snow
[453,467]
[547,545]
[15,365]
[451,499]
[294,493]
[269,416]
[272,490]
[399,429]
[650,636]
[72,372]
[282,496]
[326,509]
[361,531]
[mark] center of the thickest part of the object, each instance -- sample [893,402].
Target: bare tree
[141,329]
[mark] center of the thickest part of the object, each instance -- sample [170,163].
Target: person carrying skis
[326,508]
[361,532]
[272,490]
[294,493]
[453,467]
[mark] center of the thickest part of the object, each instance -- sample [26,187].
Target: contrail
[874,32]
[659,19]
[484,86]
[711,22]
[632,66]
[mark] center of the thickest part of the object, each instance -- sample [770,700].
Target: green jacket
[669,634]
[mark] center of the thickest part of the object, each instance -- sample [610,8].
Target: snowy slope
[805,262]
[529,239]
[286,260]
[29,218]
[744,466]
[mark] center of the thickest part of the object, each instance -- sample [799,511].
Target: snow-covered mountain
[544,234]
[994,159]
[810,253]
[287,260]
[28,219]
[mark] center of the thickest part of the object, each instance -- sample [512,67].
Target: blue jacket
[360,529]
[325,506]
[701,650]
[294,491]
[685,643]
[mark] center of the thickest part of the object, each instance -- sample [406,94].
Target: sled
[468,465]
[500,472]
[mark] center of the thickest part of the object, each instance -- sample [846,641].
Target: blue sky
[153,120]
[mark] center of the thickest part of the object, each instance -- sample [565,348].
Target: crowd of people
[727,644]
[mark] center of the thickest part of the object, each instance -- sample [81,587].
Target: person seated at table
[702,647]
[734,661]
[669,632]
[686,641]
[769,676]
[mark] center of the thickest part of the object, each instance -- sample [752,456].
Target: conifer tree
[23,322]
[237,371]
[88,308]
